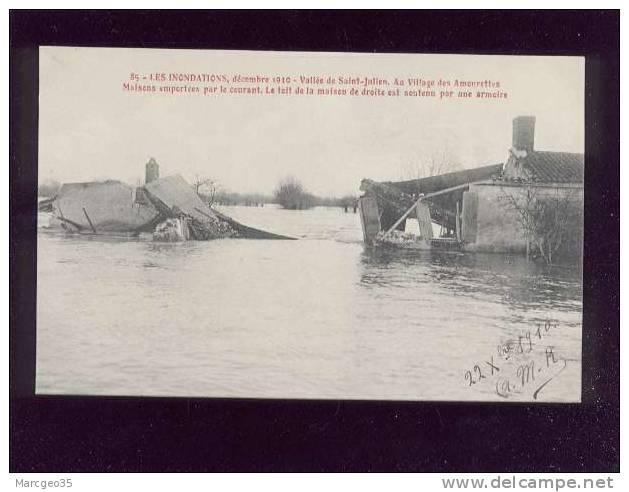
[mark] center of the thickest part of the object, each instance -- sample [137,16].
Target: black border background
[64,434]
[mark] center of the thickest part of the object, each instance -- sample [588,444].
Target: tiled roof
[554,167]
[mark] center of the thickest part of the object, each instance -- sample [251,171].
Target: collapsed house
[478,209]
[168,207]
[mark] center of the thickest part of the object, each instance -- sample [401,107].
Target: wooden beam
[89,220]
[448,190]
[79,227]
[403,217]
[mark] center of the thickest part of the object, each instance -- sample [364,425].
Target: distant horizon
[141,182]
[50,181]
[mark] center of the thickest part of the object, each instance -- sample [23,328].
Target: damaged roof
[102,206]
[174,191]
[439,182]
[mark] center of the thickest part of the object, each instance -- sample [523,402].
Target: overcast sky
[89,128]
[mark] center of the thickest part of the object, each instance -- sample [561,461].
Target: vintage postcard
[310,225]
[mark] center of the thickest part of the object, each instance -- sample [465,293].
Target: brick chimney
[524,133]
[152,171]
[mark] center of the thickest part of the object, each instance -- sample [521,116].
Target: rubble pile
[168,207]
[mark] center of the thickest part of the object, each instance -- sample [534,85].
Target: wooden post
[458,221]
[88,219]
[369,218]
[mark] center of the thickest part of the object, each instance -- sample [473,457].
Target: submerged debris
[168,207]
[170,231]
[215,229]
[385,208]
[405,240]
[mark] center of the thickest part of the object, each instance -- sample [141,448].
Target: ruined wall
[495,227]
[109,205]
[369,218]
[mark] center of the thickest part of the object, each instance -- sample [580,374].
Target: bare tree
[439,161]
[545,219]
[206,188]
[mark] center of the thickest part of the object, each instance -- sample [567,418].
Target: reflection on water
[322,317]
[510,279]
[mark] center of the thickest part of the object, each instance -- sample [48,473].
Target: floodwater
[321,317]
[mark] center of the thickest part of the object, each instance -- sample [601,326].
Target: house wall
[495,227]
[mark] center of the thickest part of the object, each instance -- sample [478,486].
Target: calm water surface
[322,317]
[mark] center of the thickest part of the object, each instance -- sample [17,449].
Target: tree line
[289,194]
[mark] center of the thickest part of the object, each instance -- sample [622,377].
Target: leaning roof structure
[174,191]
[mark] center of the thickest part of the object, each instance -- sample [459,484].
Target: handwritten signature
[530,370]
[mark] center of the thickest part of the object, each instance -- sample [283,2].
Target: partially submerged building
[491,208]
[168,207]
[105,207]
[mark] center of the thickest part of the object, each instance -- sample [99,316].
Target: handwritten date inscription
[526,365]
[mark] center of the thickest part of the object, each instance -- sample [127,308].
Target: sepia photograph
[312,226]
[336,242]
